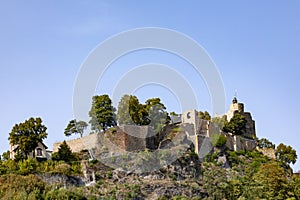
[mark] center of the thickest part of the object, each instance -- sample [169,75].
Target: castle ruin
[198,131]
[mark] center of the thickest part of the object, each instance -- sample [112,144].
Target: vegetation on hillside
[223,174]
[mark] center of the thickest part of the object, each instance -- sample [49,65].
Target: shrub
[28,166]
[219,140]
[14,186]
[62,169]
[63,194]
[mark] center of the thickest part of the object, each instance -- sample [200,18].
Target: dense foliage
[102,113]
[224,174]
[236,125]
[75,127]
[132,112]
[64,153]
[251,176]
[286,154]
[204,115]
[265,143]
[27,135]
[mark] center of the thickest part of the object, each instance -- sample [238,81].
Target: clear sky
[255,45]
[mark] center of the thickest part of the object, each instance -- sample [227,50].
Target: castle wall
[239,143]
[250,125]
[135,137]
[76,145]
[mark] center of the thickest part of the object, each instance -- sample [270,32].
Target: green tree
[219,121]
[130,111]
[173,113]
[294,187]
[285,154]
[123,113]
[215,182]
[19,187]
[204,115]
[272,181]
[158,116]
[27,135]
[236,125]
[265,143]
[138,112]
[75,127]
[64,153]
[5,155]
[102,113]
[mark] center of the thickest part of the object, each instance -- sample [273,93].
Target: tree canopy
[64,153]
[236,125]
[102,113]
[27,135]
[204,115]
[285,154]
[131,111]
[5,155]
[75,127]
[157,114]
[123,115]
[265,143]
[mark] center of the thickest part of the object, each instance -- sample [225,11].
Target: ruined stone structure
[197,131]
[126,137]
[76,145]
[135,138]
[200,131]
[237,107]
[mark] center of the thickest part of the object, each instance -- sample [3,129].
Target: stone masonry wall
[76,145]
[135,137]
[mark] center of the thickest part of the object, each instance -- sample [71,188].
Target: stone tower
[191,117]
[236,107]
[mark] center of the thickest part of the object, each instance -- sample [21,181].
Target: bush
[63,194]
[219,140]
[62,169]
[28,166]
[14,186]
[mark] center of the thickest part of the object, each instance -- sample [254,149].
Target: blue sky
[255,45]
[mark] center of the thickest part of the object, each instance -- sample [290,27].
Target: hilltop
[181,156]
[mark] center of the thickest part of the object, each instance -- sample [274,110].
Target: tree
[138,112]
[157,114]
[219,121]
[5,155]
[173,114]
[215,182]
[204,115]
[130,111]
[75,127]
[27,135]
[102,113]
[123,113]
[236,126]
[265,143]
[64,153]
[272,181]
[285,154]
